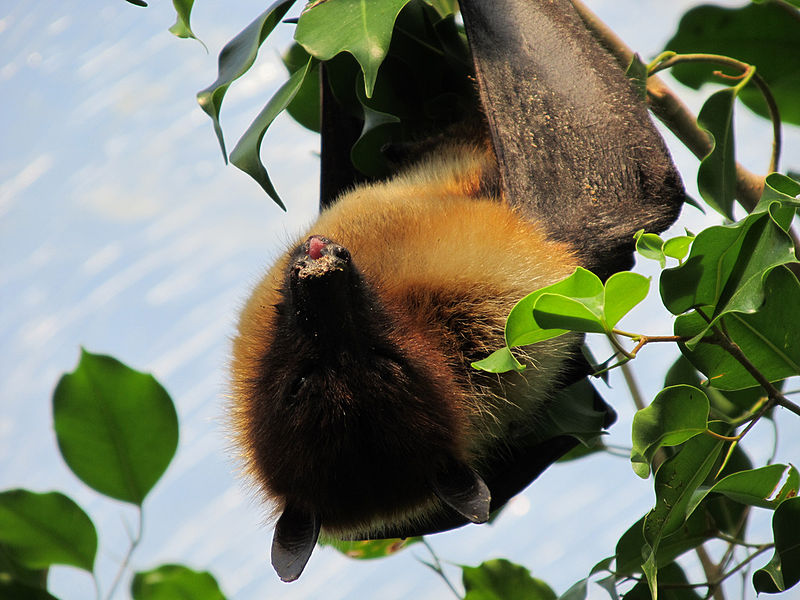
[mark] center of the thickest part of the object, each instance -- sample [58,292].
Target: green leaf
[783,571]
[499,361]
[769,338]
[678,247]
[181,28]
[235,59]
[554,311]
[11,570]
[623,291]
[727,267]
[46,529]
[637,74]
[172,582]
[650,246]
[246,154]
[369,549]
[500,579]
[672,585]
[522,328]
[754,487]
[305,107]
[716,176]
[376,133]
[676,414]
[779,188]
[364,29]
[137,2]
[16,590]
[116,428]
[766,36]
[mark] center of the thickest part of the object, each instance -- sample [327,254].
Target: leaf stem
[437,567]
[124,564]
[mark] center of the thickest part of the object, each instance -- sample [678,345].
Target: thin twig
[124,565]
[437,567]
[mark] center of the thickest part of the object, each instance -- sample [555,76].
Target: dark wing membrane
[576,147]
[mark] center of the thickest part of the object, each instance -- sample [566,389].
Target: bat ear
[463,489]
[296,534]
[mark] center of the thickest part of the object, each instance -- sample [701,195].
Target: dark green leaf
[716,176]
[181,28]
[11,570]
[671,578]
[235,59]
[368,549]
[174,582]
[766,36]
[246,154]
[41,530]
[769,338]
[16,590]
[573,412]
[116,428]
[305,107]
[137,2]
[364,29]
[500,579]
[676,414]
[377,132]
[783,571]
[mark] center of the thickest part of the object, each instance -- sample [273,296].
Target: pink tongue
[315,247]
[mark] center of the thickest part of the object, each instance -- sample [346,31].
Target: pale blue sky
[122,231]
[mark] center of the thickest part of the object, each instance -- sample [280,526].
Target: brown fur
[442,266]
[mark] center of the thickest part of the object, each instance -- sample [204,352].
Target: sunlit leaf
[499,361]
[554,311]
[500,579]
[46,529]
[173,582]
[235,59]
[364,29]
[117,428]
[247,153]
[678,247]
[676,414]
[650,246]
[623,291]
[182,28]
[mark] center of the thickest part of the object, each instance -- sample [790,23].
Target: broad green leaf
[632,549]
[368,549]
[676,414]
[769,338]
[623,291]
[521,327]
[766,36]
[678,247]
[716,176]
[499,361]
[173,582]
[779,188]
[444,7]
[500,579]
[182,28]
[783,571]
[727,267]
[377,132]
[579,591]
[364,29]
[246,154]
[756,487]
[650,246]
[676,481]
[116,428]
[574,411]
[235,59]
[46,529]
[553,311]
[305,107]
[11,570]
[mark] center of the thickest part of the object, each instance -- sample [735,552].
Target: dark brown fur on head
[352,413]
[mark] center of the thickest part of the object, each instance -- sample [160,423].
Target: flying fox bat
[354,401]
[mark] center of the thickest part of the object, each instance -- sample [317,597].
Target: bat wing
[576,148]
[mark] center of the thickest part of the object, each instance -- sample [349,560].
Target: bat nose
[318,246]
